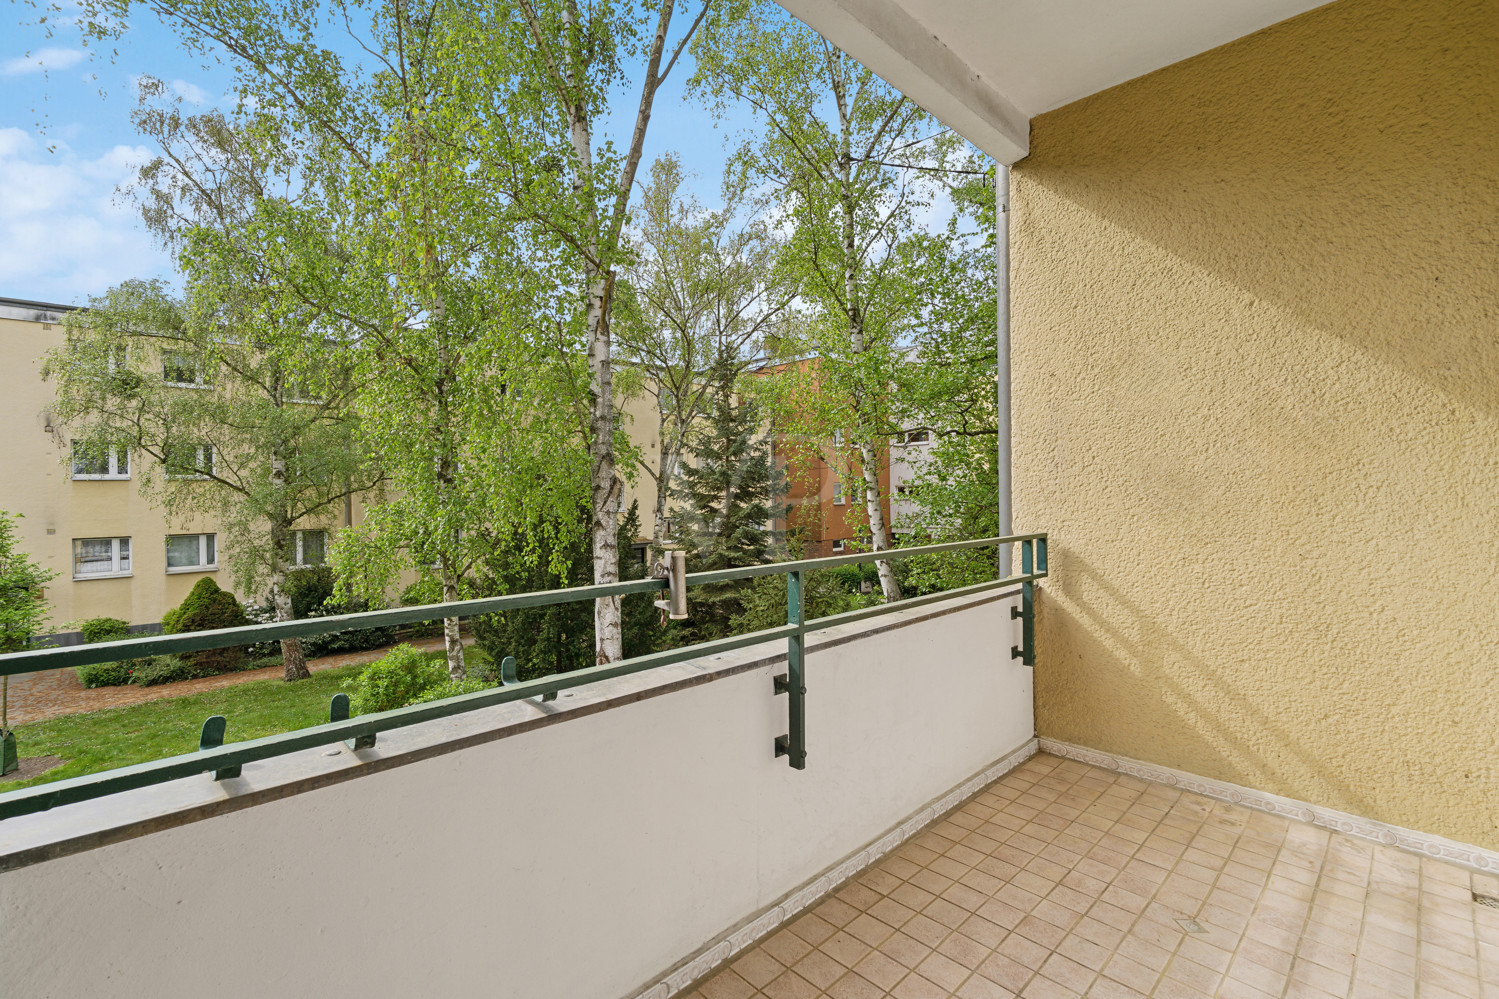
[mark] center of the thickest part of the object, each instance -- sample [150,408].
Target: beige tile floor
[1062,879]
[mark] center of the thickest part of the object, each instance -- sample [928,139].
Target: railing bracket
[1032,560]
[782,686]
[794,680]
[212,738]
[510,676]
[338,711]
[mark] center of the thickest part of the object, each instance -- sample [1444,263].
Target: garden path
[38,696]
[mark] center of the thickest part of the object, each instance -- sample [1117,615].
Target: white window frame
[299,550]
[114,456]
[294,391]
[203,458]
[925,435]
[120,559]
[208,544]
[839,545]
[200,379]
[840,495]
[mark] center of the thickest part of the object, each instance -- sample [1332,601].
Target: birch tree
[550,70]
[484,124]
[848,162]
[397,239]
[706,294]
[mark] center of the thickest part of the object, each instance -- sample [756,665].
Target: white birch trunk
[665,466]
[872,506]
[868,456]
[293,662]
[452,641]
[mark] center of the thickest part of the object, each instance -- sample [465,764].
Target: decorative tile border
[1463,854]
[718,951]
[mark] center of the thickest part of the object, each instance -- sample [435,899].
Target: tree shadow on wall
[1067,669]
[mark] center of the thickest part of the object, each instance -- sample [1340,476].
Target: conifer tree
[730,489]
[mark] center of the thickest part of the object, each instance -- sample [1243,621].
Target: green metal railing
[225,761]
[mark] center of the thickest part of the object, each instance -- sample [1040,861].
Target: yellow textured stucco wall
[1256,350]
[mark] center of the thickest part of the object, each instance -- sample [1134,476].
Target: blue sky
[66,144]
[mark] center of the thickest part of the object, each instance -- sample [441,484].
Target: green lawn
[137,733]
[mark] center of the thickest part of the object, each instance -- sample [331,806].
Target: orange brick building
[824,483]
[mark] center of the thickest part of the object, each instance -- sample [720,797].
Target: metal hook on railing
[338,710]
[212,738]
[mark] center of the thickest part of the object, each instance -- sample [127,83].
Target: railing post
[1026,650]
[212,738]
[794,743]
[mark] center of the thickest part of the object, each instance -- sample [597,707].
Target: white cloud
[64,235]
[36,62]
[190,92]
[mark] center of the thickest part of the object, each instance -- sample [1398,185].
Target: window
[839,495]
[837,438]
[189,461]
[298,392]
[191,552]
[94,463]
[184,370]
[307,548]
[919,437]
[95,558]
[838,546]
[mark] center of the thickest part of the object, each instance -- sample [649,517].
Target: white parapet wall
[573,850]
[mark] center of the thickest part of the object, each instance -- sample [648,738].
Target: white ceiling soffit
[986,67]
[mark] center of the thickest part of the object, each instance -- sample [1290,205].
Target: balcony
[649,833]
[1253,398]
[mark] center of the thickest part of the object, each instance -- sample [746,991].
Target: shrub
[309,590]
[107,674]
[206,608]
[450,688]
[116,674]
[478,665]
[822,596]
[164,669]
[104,629]
[394,680]
[261,614]
[305,586]
[354,640]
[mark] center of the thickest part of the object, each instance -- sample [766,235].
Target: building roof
[33,312]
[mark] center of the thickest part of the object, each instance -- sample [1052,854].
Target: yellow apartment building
[114,552]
